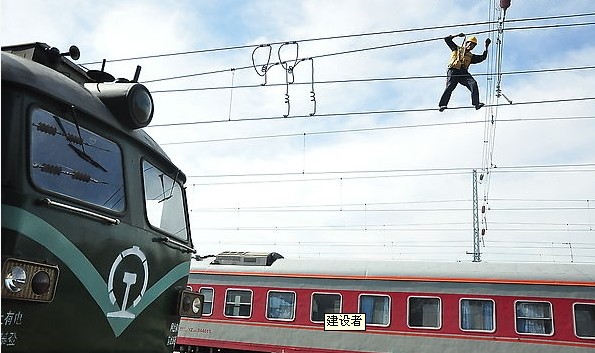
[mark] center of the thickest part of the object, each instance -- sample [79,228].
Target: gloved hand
[461,34]
[488,41]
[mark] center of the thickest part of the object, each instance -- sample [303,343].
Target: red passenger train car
[258,302]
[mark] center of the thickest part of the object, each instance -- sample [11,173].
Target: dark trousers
[454,77]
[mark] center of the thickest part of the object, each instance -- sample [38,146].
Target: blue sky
[356,185]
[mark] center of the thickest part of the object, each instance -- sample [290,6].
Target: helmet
[472,40]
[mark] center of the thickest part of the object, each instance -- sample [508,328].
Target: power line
[408,172]
[360,204]
[372,112]
[407,210]
[345,178]
[245,46]
[400,227]
[373,79]
[380,128]
[353,51]
[372,204]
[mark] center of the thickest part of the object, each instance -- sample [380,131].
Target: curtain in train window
[281,305]
[424,312]
[534,318]
[67,159]
[164,201]
[584,320]
[207,306]
[238,303]
[477,315]
[376,309]
[324,304]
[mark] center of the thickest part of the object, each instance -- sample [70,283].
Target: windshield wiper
[84,156]
[71,138]
[171,190]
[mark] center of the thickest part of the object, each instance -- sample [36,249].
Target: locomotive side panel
[84,267]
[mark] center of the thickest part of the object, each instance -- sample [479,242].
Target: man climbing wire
[460,60]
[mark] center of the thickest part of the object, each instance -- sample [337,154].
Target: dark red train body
[409,306]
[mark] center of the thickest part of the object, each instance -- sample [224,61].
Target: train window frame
[551,318]
[312,305]
[388,312]
[293,305]
[82,128]
[575,322]
[478,330]
[250,304]
[424,327]
[212,301]
[182,204]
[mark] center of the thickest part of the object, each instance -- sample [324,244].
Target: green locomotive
[96,240]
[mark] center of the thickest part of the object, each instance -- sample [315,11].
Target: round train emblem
[128,279]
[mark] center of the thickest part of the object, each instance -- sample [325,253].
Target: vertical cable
[233,72]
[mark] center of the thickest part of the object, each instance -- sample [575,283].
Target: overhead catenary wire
[358,50]
[417,202]
[406,210]
[372,79]
[370,129]
[388,173]
[384,176]
[245,46]
[493,94]
[359,113]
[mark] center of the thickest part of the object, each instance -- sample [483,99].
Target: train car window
[376,308]
[534,318]
[424,312]
[238,303]
[281,305]
[164,202]
[324,303]
[207,305]
[70,160]
[477,315]
[584,320]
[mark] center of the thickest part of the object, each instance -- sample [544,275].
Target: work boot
[478,106]
[441,108]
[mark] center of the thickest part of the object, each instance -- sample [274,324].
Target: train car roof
[28,73]
[550,273]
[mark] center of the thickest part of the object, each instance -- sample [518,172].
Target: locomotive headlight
[28,280]
[41,282]
[15,279]
[195,306]
[130,102]
[140,105]
[190,304]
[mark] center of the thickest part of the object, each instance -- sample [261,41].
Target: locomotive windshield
[164,202]
[73,161]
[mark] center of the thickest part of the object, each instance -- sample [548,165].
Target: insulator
[81,176]
[504,4]
[483,232]
[483,209]
[48,129]
[51,169]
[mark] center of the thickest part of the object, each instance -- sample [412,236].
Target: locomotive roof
[551,273]
[30,74]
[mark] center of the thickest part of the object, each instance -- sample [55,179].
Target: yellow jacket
[461,58]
